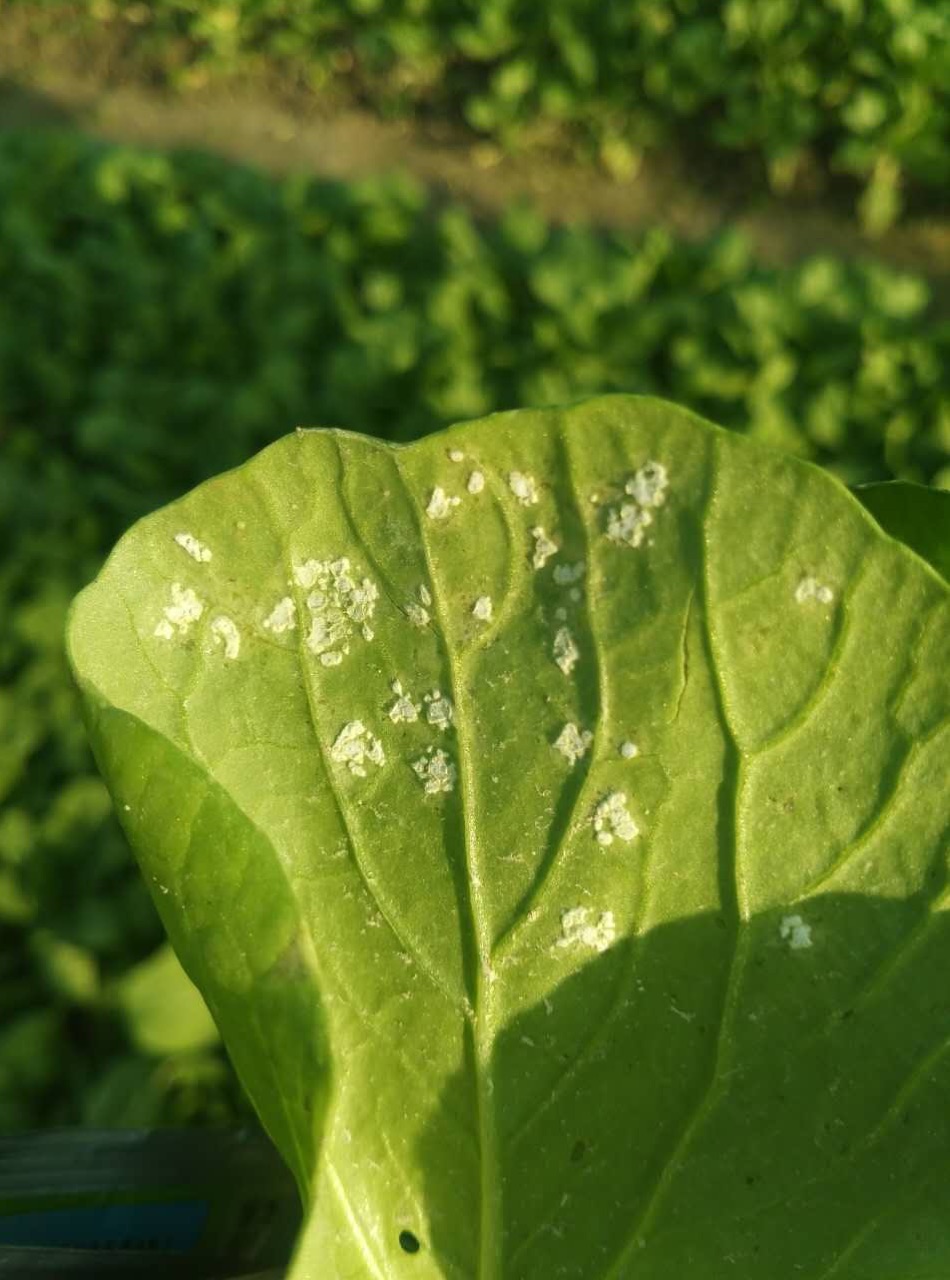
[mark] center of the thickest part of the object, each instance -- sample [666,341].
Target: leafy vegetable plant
[553,815]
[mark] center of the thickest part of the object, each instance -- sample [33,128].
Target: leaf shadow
[701,1102]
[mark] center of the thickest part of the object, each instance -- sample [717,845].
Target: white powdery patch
[628,750]
[482,609]
[226,633]
[476,482]
[566,574]
[340,604]
[439,710]
[544,548]
[566,652]
[283,616]
[573,743]
[648,487]
[440,504]
[795,932]
[181,615]
[456,455]
[577,929]
[811,589]
[612,820]
[435,771]
[355,747]
[627,524]
[524,487]
[403,710]
[417,610]
[197,550]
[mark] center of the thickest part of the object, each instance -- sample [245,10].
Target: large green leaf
[552,813]
[916,515]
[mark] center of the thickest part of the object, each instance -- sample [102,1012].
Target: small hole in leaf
[408,1242]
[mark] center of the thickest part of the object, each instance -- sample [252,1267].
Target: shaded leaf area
[162,318]
[916,515]
[537,930]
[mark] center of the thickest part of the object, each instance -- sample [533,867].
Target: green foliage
[620,953]
[861,85]
[164,317]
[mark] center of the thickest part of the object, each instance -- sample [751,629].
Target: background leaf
[917,515]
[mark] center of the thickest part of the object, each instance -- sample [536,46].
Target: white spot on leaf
[403,710]
[283,616]
[629,749]
[439,710]
[573,742]
[795,932]
[355,747]
[436,771]
[181,615]
[544,548]
[417,615]
[456,455]
[628,524]
[565,574]
[476,482]
[811,589]
[482,608]
[566,653]
[340,605]
[226,633]
[197,550]
[648,487]
[524,487]
[577,929]
[612,820]
[440,504]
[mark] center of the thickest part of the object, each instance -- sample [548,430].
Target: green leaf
[163,1011]
[914,514]
[612,939]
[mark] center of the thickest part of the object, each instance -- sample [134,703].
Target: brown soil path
[48,79]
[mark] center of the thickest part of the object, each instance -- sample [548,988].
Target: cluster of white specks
[456,455]
[567,574]
[482,609]
[226,633]
[573,743]
[612,820]
[648,487]
[544,548]
[524,487]
[811,589]
[795,932]
[628,750]
[403,710]
[566,652]
[578,930]
[355,747]
[476,482]
[197,550]
[283,616]
[435,771]
[339,605]
[628,523]
[439,710]
[417,610]
[181,615]
[440,504]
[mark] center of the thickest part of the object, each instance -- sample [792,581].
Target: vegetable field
[164,316]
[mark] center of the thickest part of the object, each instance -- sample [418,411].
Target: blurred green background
[222,220]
